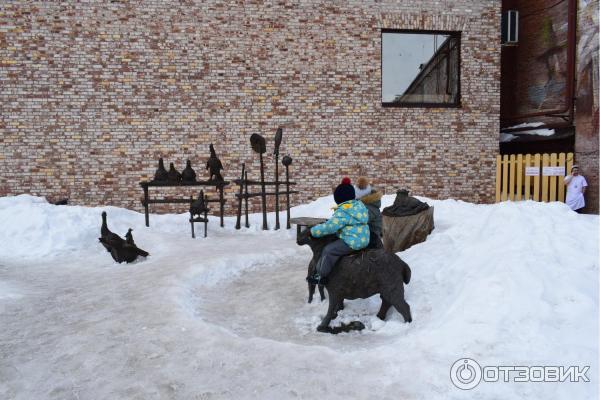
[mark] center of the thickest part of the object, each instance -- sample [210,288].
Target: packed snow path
[227,318]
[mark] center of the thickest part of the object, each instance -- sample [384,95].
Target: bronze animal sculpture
[214,166]
[174,175]
[188,174]
[161,174]
[199,212]
[361,275]
[129,237]
[199,206]
[120,249]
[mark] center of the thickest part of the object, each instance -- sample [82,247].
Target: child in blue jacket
[349,223]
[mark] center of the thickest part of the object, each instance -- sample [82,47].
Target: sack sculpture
[405,223]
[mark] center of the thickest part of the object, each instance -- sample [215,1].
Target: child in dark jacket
[348,223]
[371,198]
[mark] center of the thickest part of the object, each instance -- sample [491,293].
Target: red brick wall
[93,94]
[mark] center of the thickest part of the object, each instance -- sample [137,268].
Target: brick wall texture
[92,93]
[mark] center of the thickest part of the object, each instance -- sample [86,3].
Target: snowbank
[226,317]
[540,132]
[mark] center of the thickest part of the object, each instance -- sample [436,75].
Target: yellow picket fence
[537,177]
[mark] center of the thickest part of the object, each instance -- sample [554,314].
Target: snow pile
[539,132]
[506,137]
[226,317]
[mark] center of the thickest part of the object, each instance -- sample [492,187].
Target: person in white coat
[576,185]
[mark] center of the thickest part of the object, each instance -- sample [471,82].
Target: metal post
[246,199]
[287,194]
[239,213]
[276,191]
[222,203]
[192,223]
[264,193]
[205,222]
[146,209]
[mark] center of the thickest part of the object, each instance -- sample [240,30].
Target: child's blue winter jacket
[349,223]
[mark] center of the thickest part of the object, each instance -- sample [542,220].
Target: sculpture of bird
[188,174]
[129,237]
[199,206]
[214,165]
[120,249]
[174,175]
[109,239]
[161,173]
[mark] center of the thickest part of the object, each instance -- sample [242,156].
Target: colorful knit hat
[344,192]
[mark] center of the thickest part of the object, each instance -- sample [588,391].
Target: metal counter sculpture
[188,177]
[120,249]
[199,212]
[258,144]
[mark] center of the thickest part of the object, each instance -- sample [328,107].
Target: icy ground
[226,317]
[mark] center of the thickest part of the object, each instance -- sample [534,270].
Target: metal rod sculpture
[258,144]
[287,161]
[278,138]
[246,198]
[239,213]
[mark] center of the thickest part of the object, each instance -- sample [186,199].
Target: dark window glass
[420,68]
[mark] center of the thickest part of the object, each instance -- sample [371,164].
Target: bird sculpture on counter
[161,174]
[188,174]
[174,175]
[214,166]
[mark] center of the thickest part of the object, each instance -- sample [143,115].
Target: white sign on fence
[532,171]
[553,171]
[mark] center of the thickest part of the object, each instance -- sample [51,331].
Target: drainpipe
[570,90]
